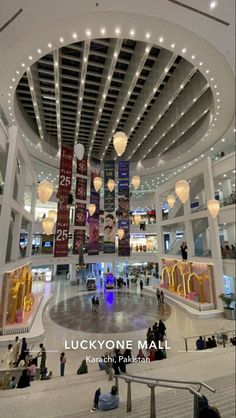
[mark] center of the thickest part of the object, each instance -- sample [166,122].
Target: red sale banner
[65,170]
[80,214]
[62,231]
[82,167]
[79,239]
[81,189]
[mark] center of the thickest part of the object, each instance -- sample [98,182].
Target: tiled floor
[127,318]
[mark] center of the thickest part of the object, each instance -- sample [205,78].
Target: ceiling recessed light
[223,140]
[193,57]
[200,63]
[184,50]
[103,31]
[49,45]
[88,32]
[147,35]
[172,46]
[39,51]
[74,35]
[117,31]
[132,32]
[61,40]
[161,39]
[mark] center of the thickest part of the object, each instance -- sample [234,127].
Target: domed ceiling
[86,91]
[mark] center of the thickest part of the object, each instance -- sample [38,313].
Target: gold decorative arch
[174,287]
[166,270]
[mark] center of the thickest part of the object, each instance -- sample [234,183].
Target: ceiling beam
[56,64]
[35,91]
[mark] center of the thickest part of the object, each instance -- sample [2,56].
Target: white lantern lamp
[45,189]
[213,206]
[91,209]
[135,181]
[52,214]
[120,141]
[111,185]
[79,151]
[182,190]
[120,233]
[47,224]
[97,182]
[171,200]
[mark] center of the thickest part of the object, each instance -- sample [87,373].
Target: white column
[8,191]
[231,234]
[188,233]
[226,188]
[214,237]
[72,271]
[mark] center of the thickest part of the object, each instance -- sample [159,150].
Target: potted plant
[229,311]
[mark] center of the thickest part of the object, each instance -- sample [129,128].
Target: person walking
[23,352]
[162,296]
[42,353]
[127,281]
[141,285]
[16,350]
[8,357]
[93,304]
[158,295]
[62,364]
[184,251]
[97,303]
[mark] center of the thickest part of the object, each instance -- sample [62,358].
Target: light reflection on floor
[119,311]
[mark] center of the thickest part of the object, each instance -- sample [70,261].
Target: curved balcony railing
[152,383]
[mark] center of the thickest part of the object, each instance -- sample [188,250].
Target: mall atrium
[117,208]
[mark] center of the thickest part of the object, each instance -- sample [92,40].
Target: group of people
[228,251]
[202,344]
[95,304]
[18,354]
[160,296]
[155,336]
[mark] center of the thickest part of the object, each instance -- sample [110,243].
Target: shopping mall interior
[117,208]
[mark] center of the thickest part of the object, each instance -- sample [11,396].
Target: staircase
[174,404]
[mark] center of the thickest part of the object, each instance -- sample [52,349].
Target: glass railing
[228,150]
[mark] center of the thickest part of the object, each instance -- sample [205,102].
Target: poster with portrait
[109,230]
[93,243]
[124,208]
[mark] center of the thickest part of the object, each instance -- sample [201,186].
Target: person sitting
[45,374]
[159,354]
[213,341]
[83,369]
[31,369]
[200,344]
[12,384]
[233,340]
[152,355]
[24,380]
[140,354]
[209,343]
[101,363]
[109,401]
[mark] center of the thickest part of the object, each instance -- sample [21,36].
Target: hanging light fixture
[47,224]
[135,181]
[213,206]
[97,182]
[120,141]
[182,190]
[45,189]
[111,185]
[120,233]
[171,200]
[79,151]
[137,219]
[91,209]
[52,214]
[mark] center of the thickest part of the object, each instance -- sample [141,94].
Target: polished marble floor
[118,311]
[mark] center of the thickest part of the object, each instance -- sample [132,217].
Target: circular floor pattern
[118,312]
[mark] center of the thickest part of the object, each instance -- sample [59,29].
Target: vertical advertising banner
[63,212]
[109,210]
[79,239]
[124,208]
[93,244]
[80,207]
[62,231]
